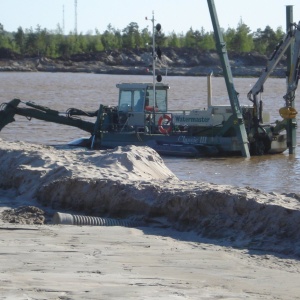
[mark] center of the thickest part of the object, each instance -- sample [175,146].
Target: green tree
[60,43]
[270,36]
[43,41]
[146,38]
[63,48]
[94,42]
[267,40]
[81,44]
[31,47]
[181,38]
[5,41]
[173,40]
[20,40]
[160,39]
[56,43]
[76,43]
[229,36]
[207,41]
[190,41]
[242,40]
[260,44]
[131,36]
[111,38]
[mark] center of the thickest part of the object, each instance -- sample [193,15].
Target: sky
[174,15]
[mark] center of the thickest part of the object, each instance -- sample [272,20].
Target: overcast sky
[174,15]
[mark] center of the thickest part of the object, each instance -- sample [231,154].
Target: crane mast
[237,120]
[291,123]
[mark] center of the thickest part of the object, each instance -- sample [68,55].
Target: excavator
[288,112]
[215,131]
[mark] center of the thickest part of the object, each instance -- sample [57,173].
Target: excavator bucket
[7,114]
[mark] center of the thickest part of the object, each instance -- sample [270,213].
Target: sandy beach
[194,240]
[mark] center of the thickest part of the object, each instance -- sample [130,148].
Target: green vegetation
[42,42]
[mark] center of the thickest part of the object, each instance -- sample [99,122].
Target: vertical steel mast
[153,58]
[291,123]
[153,55]
[238,121]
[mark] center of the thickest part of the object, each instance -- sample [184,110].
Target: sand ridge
[134,182]
[200,240]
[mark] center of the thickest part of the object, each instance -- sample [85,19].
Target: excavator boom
[294,70]
[289,38]
[42,113]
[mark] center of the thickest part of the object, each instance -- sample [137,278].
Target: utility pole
[63,21]
[75,29]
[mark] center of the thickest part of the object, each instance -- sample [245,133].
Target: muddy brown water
[60,91]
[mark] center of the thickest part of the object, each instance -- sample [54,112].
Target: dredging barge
[142,117]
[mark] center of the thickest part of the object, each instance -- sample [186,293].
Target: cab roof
[142,86]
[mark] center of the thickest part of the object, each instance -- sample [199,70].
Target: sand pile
[24,215]
[133,181]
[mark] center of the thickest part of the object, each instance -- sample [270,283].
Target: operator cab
[136,100]
[137,97]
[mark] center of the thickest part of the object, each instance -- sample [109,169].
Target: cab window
[138,100]
[160,99]
[132,100]
[125,101]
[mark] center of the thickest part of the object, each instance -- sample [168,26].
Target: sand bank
[199,240]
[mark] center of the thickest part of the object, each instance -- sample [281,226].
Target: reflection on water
[60,91]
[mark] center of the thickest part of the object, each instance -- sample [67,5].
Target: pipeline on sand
[68,219]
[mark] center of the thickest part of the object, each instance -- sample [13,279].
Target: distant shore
[173,63]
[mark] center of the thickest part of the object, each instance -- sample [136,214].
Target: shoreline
[202,64]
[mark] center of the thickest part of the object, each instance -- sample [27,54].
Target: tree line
[54,43]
